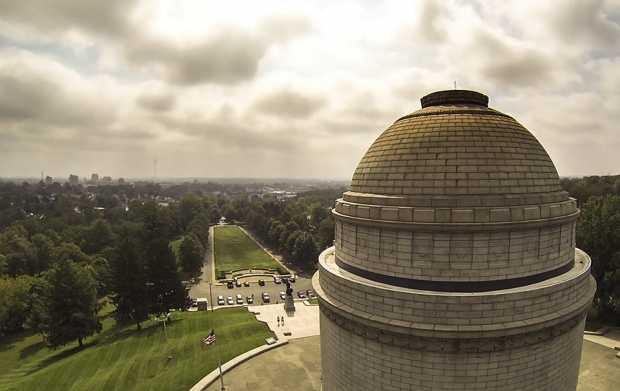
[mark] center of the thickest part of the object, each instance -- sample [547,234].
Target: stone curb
[226,367]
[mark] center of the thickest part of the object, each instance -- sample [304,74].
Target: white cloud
[290,89]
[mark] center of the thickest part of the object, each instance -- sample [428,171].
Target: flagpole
[217,345]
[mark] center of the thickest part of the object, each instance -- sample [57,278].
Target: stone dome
[456,146]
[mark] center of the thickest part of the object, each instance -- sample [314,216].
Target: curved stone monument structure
[454,265]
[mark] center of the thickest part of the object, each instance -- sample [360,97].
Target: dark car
[230,285]
[246,283]
[194,303]
[301,295]
[261,282]
[249,300]
[291,279]
[238,284]
[266,297]
[284,280]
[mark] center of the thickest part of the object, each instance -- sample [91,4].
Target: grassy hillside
[235,250]
[121,358]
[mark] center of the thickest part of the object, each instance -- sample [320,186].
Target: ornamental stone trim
[489,112]
[440,98]
[456,201]
[453,345]
[424,222]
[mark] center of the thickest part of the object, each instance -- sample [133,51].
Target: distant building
[94,178]
[74,180]
[121,181]
[106,179]
[48,180]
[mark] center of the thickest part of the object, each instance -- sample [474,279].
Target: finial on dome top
[440,98]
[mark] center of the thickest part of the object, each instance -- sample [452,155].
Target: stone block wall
[356,363]
[456,256]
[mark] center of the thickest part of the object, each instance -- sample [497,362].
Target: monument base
[289,304]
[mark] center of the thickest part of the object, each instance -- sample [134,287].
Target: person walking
[278,320]
[282,320]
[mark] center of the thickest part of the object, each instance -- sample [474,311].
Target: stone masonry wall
[458,256]
[354,363]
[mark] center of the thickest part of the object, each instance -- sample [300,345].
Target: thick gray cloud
[510,65]
[110,17]
[585,21]
[289,104]
[156,98]
[430,26]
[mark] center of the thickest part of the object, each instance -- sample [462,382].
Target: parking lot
[270,287]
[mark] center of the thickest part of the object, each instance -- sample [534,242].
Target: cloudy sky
[291,88]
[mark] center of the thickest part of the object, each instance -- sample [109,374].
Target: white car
[282,295]
[220,300]
[229,300]
[239,299]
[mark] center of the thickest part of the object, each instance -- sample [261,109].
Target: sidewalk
[301,362]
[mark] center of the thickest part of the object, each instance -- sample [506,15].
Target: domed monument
[454,265]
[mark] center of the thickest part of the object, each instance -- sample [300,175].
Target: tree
[71,305]
[13,303]
[200,227]
[164,281]
[289,228]
[45,251]
[597,235]
[275,232]
[96,237]
[305,250]
[191,255]
[128,282]
[325,233]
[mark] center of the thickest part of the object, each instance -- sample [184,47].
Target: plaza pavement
[297,365]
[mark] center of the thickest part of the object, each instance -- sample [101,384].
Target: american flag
[209,339]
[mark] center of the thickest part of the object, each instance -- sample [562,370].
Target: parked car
[277,280]
[239,299]
[310,294]
[261,282]
[301,295]
[291,279]
[194,303]
[220,300]
[249,300]
[230,285]
[265,297]
[230,300]
[238,284]
[282,295]
[246,283]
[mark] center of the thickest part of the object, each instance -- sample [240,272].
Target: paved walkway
[304,322]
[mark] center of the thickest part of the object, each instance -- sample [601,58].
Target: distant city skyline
[290,89]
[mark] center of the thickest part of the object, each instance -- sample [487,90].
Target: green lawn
[235,250]
[122,358]
[176,243]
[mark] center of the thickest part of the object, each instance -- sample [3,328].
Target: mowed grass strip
[235,250]
[122,358]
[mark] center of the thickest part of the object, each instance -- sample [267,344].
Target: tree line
[62,260]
